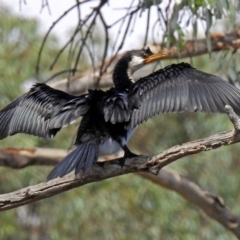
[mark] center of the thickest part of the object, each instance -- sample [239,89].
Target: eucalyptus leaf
[232,73]
[208,20]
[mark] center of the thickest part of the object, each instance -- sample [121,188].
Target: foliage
[167,22]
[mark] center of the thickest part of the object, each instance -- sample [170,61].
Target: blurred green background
[126,207]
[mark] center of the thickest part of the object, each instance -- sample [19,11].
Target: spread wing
[176,88]
[42,112]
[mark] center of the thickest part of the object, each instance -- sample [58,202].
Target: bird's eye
[146,52]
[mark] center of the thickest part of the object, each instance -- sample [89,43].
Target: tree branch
[79,84]
[192,48]
[23,157]
[112,168]
[211,204]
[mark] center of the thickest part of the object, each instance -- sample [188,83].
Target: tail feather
[81,158]
[80,164]
[92,155]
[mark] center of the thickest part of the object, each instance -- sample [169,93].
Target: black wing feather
[41,112]
[116,107]
[180,87]
[176,88]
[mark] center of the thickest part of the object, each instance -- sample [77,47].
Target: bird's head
[139,58]
[130,62]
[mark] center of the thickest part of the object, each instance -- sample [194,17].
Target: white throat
[134,65]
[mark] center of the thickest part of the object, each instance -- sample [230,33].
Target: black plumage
[110,117]
[176,88]
[35,112]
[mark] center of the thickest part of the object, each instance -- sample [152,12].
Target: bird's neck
[122,76]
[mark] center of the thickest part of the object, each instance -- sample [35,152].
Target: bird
[110,117]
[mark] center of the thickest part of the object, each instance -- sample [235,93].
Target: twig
[60,73]
[95,13]
[191,48]
[45,3]
[105,48]
[47,34]
[147,27]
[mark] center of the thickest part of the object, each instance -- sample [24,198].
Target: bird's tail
[81,158]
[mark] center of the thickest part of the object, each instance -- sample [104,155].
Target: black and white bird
[110,117]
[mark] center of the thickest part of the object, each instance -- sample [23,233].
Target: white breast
[111,146]
[108,147]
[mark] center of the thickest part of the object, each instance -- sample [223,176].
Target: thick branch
[81,83]
[23,157]
[192,48]
[211,204]
[112,169]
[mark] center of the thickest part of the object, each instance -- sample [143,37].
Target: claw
[100,164]
[121,161]
[128,153]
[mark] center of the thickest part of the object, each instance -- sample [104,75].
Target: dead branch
[112,168]
[211,204]
[79,84]
[23,157]
[192,48]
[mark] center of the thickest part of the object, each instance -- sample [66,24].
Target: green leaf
[209,16]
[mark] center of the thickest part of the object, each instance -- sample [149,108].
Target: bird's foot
[100,164]
[121,161]
[130,155]
[127,154]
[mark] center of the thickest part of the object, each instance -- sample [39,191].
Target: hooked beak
[154,57]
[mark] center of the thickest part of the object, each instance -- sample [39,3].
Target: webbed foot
[127,154]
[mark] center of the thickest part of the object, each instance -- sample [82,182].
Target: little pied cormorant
[109,117]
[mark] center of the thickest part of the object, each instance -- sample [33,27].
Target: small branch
[186,149]
[233,117]
[23,157]
[79,84]
[45,4]
[47,34]
[106,44]
[147,27]
[60,73]
[192,48]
